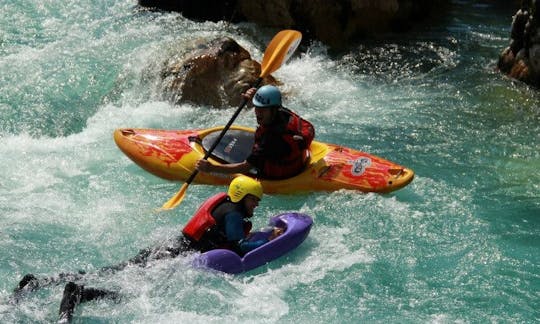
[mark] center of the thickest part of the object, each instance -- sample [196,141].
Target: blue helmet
[267,96]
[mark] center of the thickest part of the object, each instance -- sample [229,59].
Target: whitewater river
[459,244]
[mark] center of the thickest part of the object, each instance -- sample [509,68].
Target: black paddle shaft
[223,131]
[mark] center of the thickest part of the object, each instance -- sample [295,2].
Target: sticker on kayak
[230,146]
[359,165]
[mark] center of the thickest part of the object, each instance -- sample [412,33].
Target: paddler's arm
[234,230]
[246,245]
[207,166]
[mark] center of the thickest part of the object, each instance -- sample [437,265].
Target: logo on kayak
[359,165]
[230,146]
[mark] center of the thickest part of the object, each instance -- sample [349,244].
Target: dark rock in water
[215,73]
[521,59]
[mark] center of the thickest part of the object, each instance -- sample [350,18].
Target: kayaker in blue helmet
[222,221]
[282,140]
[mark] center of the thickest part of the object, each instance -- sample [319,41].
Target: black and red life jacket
[207,226]
[294,163]
[203,219]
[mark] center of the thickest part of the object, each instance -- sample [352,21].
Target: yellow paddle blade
[176,199]
[280,49]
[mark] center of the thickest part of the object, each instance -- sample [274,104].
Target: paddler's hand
[203,165]
[249,93]
[275,233]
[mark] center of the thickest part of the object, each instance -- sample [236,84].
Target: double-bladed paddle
[278,51]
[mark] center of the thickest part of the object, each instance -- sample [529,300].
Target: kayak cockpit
[234,147]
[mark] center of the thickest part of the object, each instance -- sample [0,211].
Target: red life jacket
[299,126]
[294,163]
[203,219]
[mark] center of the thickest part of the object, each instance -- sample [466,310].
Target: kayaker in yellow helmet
[222,221]
[282,140]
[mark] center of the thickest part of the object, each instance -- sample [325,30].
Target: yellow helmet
[242,186]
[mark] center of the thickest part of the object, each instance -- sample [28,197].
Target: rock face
[334,22]
[215,73]
[521,59]
[213,10]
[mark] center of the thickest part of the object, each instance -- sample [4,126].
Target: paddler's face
[264,115]
[250,203]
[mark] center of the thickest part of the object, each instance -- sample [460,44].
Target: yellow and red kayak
[172,154]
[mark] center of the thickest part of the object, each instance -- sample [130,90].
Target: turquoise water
[459,244]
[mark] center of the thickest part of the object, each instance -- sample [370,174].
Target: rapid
[458,244]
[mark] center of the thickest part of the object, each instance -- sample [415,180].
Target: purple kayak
[296,228]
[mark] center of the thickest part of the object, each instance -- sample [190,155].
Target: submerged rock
[214,73]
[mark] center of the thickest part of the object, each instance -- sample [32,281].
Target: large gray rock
[213,73]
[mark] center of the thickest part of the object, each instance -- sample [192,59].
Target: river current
[458,244]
